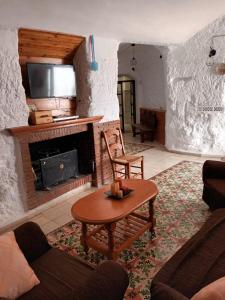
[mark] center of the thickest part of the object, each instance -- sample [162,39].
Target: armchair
[213,175]
[63,277]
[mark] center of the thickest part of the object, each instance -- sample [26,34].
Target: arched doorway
[127,102]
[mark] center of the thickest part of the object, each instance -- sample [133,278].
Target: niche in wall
[36,46]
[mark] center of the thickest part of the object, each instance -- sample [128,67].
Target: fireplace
[57,160]
[83,135]
[55,169]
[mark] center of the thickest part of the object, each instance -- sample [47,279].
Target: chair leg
[126,171]
[114,171]
[134,131]
[142,168]
[129,170]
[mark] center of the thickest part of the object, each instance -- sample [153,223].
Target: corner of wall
[13,112]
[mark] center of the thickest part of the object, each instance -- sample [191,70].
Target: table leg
[110,228]
[151,218]
[84,237]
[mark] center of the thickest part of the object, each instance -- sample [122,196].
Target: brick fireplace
[87,135]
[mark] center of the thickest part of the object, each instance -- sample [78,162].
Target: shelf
[126,231]
[26,130]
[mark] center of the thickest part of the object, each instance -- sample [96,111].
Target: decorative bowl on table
[125,193]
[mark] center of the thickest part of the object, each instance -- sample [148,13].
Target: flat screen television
[51,80]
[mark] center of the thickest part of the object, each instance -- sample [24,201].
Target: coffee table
[118,225]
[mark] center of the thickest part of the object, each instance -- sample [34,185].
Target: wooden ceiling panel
[36,43]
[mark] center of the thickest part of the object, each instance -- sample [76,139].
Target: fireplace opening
[58,160]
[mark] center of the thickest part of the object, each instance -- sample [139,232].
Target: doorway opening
[127,102]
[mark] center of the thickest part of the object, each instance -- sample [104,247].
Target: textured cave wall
[13,112]
[195,120]
[97,90]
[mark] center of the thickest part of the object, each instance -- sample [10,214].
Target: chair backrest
[114,142]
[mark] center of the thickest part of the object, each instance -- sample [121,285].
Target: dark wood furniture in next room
[118,223]
[152,125]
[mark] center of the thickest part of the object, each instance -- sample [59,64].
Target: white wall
[97,90]
[191,87]
[149,75]
[13,112]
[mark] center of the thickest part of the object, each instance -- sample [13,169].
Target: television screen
[49,80]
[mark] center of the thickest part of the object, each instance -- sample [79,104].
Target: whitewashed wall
[97,96]
[192,87]
[97,90]
[13,112]
[149,75]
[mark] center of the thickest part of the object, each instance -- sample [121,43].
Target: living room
[172,56]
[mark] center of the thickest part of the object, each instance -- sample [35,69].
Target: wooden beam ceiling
[37,43]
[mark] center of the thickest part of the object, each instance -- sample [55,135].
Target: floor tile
[63,219]
[48,227]
[40,219]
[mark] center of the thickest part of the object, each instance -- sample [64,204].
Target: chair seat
[125,159]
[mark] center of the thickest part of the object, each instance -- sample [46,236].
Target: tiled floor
[156,160]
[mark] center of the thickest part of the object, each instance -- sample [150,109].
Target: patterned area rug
[134,148]
[179,211]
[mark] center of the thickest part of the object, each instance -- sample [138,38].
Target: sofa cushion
[161,291]
[16,276]
[213,291]
[60,276]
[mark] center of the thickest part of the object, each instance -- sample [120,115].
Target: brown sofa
[199,262]
[213,174]
[63,277]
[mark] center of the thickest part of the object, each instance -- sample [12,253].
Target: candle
[119,180]
[115,187]
[120,194]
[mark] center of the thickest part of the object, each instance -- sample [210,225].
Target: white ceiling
[142,21]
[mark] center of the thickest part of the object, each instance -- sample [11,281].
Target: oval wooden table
[119,224]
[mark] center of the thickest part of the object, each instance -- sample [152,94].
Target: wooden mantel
[27,130]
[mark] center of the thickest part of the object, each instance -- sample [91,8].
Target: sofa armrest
[31,240]
[161,291]
[108,281]
[213,169]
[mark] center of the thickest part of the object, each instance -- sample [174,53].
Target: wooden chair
[122,164]
[147,127]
